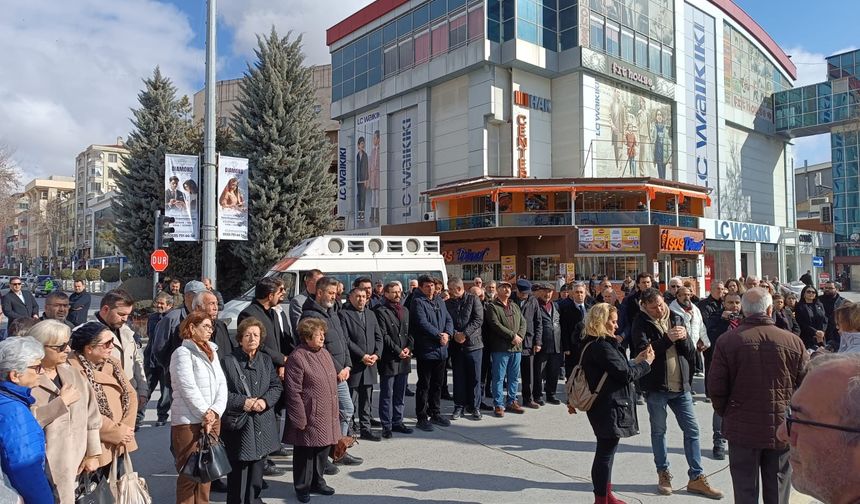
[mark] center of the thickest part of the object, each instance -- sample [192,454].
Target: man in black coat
[831,300]
[531,365]
[550,347]
[310,279]
[806,278]
[19,303]
[79,304]
[321,306]
[630,305]
[396,361]
[572,312]
[669,385]
[365,347]
[466,348]
[268,293]
[57,308]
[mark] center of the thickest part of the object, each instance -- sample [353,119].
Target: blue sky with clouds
[73,69]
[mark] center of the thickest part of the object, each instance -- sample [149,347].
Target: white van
[346,258]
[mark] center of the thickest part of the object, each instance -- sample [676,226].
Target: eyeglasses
[60,348]
[104,344]
[206,327]
[15,283]
[37,368]
[789,419]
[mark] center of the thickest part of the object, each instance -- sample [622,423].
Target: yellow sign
[509,268]
[609,239]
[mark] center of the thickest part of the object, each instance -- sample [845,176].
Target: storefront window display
[543,268]
[615,268]
[720,260]
[770,260]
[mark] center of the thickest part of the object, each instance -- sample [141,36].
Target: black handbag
[209,462]
[235,421]
[93,488]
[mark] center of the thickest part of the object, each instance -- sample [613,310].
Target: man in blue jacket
[431,327]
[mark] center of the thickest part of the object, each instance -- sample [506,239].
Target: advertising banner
[628,133]
[609,239]
[233,198]
[682,241]
[181,183]
[509,268]
[701,98]
[368,147]
[472,252]
[403,168]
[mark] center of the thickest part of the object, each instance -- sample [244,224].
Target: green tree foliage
[80,275]
[110,274]
[292,195]
[93,274]
[66,274]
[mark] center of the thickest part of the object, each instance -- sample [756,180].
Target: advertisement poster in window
[232,198]
[609,239]
[181,182]
[627,133]
[509,268]
[367,153]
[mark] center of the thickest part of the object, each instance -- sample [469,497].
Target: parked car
[4,288]
[42,288]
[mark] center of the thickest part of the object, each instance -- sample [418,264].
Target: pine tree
[291,192]
[161,125]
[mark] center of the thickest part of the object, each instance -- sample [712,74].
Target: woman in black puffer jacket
[811,317]
[613,414]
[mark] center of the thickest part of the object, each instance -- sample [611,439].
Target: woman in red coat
[313,425]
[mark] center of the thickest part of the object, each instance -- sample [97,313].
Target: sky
[72,70]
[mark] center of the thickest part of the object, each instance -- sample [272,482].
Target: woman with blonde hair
[611,376]
[199,399]
[67,409]
[848,323]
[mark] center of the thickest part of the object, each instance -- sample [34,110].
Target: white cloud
[310,18]
[811,68]
[72,72]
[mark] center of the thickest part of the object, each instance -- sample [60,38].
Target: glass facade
[844,65]
[429,30]
[822,104]
[846,190]
[749,77]
[537,22]
[641,32]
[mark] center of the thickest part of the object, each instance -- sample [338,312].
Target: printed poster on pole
[181,182]
[232,198]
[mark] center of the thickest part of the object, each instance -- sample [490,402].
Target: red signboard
[159,260]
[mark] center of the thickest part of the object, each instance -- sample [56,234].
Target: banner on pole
[181,183]
[232,198]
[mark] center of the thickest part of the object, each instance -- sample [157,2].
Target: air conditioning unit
[429,216]
[826,216]
[819,201]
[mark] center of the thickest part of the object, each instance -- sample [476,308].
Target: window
[487,271]
[543,268]
[407,58]
[627,45]
[614,267]
[421,16]
[476,23]
[641,55]
[111,158]
[668,67]
[457,30]
[613,46]
[654,59]
[439,38]
[438,8]
[389,59]
[422,47]
[597,34]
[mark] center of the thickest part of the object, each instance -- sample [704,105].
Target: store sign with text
[716,229]
[472,252]
[522,146]
[609,239]
[682,241]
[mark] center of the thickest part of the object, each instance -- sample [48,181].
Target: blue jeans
[392,389]
[505,365]
[345,406]
[682,406]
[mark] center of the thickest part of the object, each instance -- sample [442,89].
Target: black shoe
[719,452]
[369,435]
[386,433]
[350,460]
[440,420]
[272,470]
[218,486]
[303,497]
[485,407]
[541,402]
[375,423]
[447,395]
[410,392]
[160,423]
[283,452]
[476,415]
[425,425]
[264,485]
[553,400]
[330,469]
[402,429]
[323,490]
[458,413]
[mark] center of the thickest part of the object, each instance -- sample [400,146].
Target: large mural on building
[627,132]
[403,204]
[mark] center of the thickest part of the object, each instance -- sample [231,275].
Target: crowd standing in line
[783,378]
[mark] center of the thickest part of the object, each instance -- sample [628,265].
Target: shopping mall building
[547,137]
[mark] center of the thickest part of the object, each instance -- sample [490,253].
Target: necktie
[582,310]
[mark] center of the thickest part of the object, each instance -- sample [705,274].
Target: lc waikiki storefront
[561,129]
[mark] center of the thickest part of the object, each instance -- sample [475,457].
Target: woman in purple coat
[313,425]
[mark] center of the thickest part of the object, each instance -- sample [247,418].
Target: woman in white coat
[199,399]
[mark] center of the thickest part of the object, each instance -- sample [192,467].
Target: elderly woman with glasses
[92,344]
[66,407]
[22,441]
[199,399]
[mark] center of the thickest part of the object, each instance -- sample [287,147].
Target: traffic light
[164,231]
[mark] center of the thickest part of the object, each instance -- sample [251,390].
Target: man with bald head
[822,430]
[755,369]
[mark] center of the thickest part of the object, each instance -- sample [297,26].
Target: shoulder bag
[93,488]
[236,420]
[579,395]
[128,487]
[209,462]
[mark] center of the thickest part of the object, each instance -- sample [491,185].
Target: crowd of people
[782,374]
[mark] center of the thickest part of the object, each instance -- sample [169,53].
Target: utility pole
[209,199]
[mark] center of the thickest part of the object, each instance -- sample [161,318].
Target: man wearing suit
[18,303]
[361,178]
[531,365]
[173,197]
[551,345]
[365,348]
[572,313]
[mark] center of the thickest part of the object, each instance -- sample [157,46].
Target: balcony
[530,219]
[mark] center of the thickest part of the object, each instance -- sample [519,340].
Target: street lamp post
[207,227]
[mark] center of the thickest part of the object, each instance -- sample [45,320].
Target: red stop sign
[159,260]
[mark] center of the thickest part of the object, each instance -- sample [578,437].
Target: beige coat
[109,432]
[71,433]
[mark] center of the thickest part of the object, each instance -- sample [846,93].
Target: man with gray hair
[755,369]
[822,430]
[751,282]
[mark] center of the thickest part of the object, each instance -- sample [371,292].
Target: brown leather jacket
[755,370]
